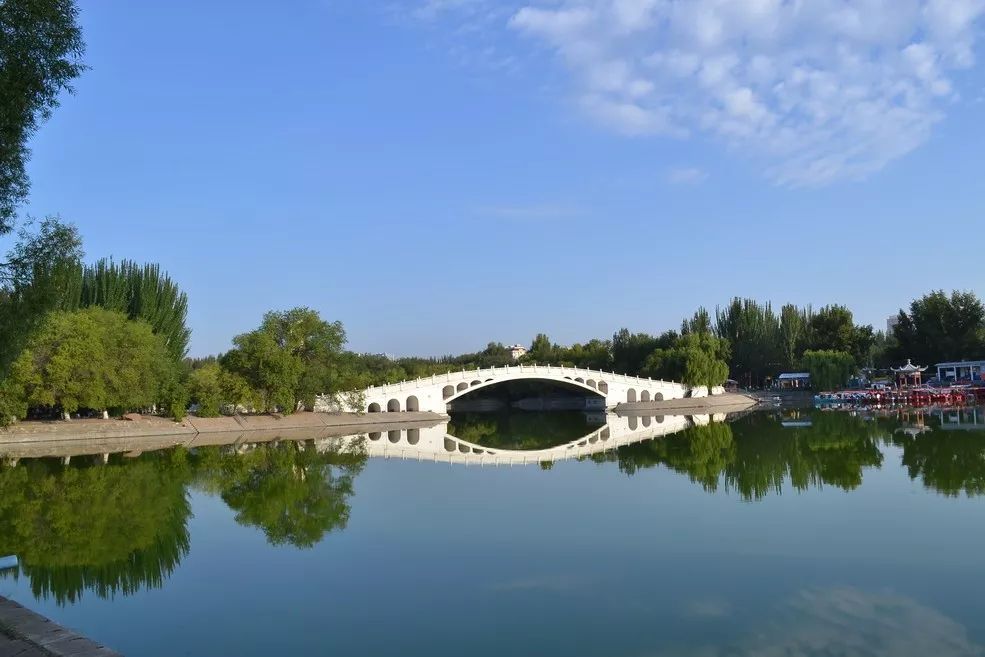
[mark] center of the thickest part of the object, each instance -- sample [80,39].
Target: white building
[958,371]
[517,351]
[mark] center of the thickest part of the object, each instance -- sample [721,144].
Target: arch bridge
[434,393]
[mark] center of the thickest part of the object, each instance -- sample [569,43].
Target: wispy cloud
[817,91]
[686,176]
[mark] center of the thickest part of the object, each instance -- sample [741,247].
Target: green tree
[541,350]
[141,292]
[293,356]
[941,328]
[705,359]
[832,328]
[40,274]
[829,369]
[92,358]
[630,351]
[793,323]
[753,334]
[205,389]
[40,54]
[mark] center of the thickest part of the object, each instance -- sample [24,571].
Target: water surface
[776,534]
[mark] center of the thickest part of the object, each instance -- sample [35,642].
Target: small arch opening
[658,396]
[413,436]
[449,445]
[631,395]
[633,423]
[447,391]
[579,379]
[413,404]
[374,408]
[591,383]
[645,395]
[375,435]
[462,386]
[603,387]
[646,421]
[393,406]
[477,382]
[393,435]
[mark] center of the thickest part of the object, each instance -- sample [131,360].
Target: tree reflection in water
[949,462]
[108,529]
[290,491]
[756,455]
[122,527]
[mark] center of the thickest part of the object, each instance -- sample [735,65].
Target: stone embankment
[26,634]
[728,402]
[27,439]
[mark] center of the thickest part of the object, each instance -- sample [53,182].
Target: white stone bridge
[434,443]
[434,393]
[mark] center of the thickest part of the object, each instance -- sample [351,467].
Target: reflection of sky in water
[844,621]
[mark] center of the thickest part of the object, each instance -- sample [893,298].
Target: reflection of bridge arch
[434,393]
[434,443]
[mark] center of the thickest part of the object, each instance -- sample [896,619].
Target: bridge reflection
[436,443]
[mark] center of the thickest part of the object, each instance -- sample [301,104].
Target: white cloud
[686,176]
[817,90]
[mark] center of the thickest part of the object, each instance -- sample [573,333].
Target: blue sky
[440,174]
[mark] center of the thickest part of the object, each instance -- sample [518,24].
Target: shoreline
[28,634]
[35,438]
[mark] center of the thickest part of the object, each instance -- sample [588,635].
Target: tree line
[755,343]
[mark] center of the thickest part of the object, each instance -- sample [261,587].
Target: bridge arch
[413,436]
[447,391]
[645,395]
[566,383]
[658,396]
[374,408]
[413,404]
[591,384]
[603,387]
[375,435]
[393,436]
[631,395]
[393,406]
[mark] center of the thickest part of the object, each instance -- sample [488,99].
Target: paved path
[24,633]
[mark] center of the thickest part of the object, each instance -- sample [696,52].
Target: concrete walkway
[24,633]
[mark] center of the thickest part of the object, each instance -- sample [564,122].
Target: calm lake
[775,533]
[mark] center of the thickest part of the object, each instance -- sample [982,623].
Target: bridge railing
[534,368]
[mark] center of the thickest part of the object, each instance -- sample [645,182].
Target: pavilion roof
[909,368]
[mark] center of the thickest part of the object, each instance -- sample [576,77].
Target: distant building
[891,323]
[794,380]
[517,351]
[961,370]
